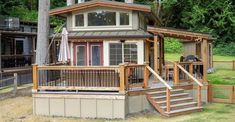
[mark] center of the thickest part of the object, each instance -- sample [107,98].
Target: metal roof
[117,34]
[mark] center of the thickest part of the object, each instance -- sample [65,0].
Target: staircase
[180,102]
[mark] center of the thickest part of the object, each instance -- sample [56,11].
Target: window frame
[76,20]
[107,27]
[123,52]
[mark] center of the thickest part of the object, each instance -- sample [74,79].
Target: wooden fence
[227,65]
[222,93]
[14,85]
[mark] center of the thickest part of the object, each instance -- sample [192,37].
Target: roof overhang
[100,3]
[184,35]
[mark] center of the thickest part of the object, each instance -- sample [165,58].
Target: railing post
[122,79]
[176,74]
[168,100]
[199,95]
[15,83]
[35,77]
[191,69]
[146,75]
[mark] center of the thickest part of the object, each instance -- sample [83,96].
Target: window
[33,29]
[101,18]
[117,50]
[115,53]
[79,20]
[130,53]
[124,18]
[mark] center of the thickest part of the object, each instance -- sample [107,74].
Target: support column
[156,47]
[147,49]
[205,59]
[43,32]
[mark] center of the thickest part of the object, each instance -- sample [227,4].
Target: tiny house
[118,65]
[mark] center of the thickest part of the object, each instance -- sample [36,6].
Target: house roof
[179,33]
[117,34]
[98,3]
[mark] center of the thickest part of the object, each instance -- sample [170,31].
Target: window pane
[80,55]
[79,20]
[124,18]
[115,53]
[101,18]
[96,55]
[130,53]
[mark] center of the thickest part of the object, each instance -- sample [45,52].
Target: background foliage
[216,17]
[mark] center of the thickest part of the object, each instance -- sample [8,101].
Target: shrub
[173,45]
[225,49]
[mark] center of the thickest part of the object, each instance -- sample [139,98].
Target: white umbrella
[64,54]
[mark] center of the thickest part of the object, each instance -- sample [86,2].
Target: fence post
[35,77]
[15,84]
[209,90]
[122,79]
[233,64]
[146,75]
[231,93]
[176,74]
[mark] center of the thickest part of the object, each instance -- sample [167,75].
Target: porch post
[0,56]
[146,75]
[35,77]
[205,58]
[33,49]
[156,47]
[147,49]
[122,79]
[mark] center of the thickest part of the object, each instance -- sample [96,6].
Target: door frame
[88,55]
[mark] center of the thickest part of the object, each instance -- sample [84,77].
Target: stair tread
[174,100]
[173,95]
[183,110]
[181,104]
[164,91]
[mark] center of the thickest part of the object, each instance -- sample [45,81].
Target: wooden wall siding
[86,5]
[222,93]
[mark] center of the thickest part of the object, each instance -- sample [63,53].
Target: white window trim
[91,28]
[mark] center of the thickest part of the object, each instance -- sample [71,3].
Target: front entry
[88,54]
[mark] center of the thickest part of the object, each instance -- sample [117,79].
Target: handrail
[77,67]
[158,77]
[193,78]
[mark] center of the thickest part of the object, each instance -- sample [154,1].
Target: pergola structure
[186,37]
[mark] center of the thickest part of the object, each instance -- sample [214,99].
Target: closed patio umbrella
[64,54]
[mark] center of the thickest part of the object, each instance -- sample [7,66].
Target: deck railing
[76,78]
[193,68]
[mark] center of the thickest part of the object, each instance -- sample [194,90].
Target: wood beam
[205,59]
[147,50]
[156,47]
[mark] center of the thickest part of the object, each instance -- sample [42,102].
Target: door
[81,55]
[95,55]
[88,54]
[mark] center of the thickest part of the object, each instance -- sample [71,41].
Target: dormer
[72,2]
[103,15]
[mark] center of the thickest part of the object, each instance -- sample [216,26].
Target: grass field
[20,109]
[224,73]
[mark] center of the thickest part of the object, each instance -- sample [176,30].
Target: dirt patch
[20,93]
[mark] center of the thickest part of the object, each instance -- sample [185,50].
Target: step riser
[177,102]
[182,107]
[184,113]
[161,94]
[172,97]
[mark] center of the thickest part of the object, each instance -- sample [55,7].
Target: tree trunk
[43,32]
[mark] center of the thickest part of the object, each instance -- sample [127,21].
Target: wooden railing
[76,78]
[178,67]
[193,68]
[168,88]
[9,61]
